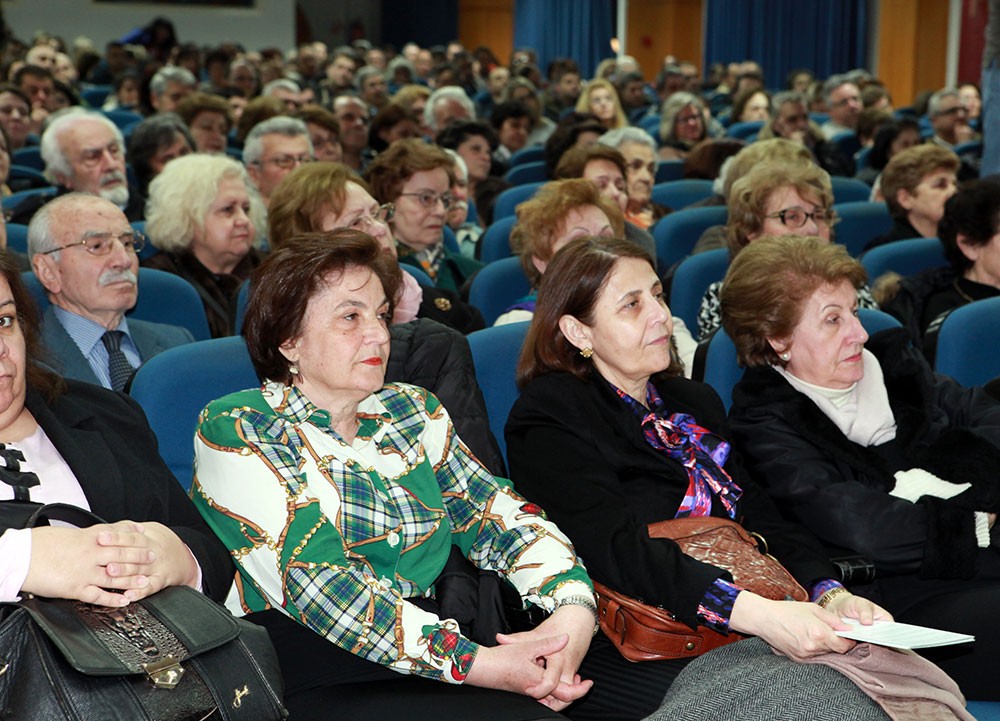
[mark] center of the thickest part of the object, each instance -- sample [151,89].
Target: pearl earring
[785,356]
[293,369]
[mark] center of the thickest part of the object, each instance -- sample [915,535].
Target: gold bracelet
[824,600]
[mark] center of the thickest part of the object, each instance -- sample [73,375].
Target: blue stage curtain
[578,29]
[825,36]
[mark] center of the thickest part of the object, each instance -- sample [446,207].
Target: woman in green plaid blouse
[341,499]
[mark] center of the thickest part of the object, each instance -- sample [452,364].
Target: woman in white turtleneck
[859,441]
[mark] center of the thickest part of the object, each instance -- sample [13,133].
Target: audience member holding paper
[856,438]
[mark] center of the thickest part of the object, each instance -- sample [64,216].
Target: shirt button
[393,539]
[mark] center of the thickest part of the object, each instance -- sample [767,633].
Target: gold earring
[587,352]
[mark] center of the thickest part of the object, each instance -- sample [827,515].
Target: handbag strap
[79,517]
[27,514]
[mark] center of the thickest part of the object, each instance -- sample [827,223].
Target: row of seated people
[620,356]
[582,417]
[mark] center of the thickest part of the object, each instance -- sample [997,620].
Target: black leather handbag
[173,656]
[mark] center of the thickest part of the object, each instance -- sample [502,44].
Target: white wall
[271,23]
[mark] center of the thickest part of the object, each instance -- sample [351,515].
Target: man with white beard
[83,251]
[84,152]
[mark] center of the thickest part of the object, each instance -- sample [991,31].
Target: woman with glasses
[327,196]
[417,179]
[775,199]
[682,125]
[205,217]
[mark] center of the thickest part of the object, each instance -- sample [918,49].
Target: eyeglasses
[953,111]
[796,217]
[381,214]
[696,118]
[429,199]
[847,101]
[102,243]
[286,162]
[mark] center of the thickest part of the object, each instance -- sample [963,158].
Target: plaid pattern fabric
[344,533]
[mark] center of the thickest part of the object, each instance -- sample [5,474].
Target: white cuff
[916,482]
[982,529]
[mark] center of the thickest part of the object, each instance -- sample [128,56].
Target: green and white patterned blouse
[340,535]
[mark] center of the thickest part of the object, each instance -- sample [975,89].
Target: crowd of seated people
[330,205]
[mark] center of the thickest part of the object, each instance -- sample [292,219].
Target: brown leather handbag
[642,632]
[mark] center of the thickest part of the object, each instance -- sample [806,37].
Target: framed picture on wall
[225,3]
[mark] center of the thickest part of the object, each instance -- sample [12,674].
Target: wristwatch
[581,600]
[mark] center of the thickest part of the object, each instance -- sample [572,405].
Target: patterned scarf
[702,453]
[429,258]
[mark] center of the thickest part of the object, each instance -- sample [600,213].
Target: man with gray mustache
[84,152]
[83,251]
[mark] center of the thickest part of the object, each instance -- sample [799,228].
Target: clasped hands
[541,663]
[109,564]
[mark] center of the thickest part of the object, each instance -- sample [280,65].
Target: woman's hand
[91,564]
[798,630]
[848,605]
[576,622]
[529,663]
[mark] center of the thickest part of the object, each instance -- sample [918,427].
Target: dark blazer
[577,450]
[105,439]
[840,489]
[67,360]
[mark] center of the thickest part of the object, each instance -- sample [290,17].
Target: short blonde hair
[774,149]
[541,217]
[767,284]
[182,194]
[750,194]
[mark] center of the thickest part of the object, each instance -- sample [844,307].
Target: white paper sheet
[902,635]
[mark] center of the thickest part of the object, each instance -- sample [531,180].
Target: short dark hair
[564,137]
[974,213]
[575,160]
[149,137]
[505,111]
[571,285]
[34,70]
[461,130]
[283,284]
[885,136]
[388,117]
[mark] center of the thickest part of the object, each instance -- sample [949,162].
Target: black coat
[104,438]
[577,449]
[840,489]
[438,358]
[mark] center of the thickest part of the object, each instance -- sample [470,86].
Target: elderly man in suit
[83,251]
